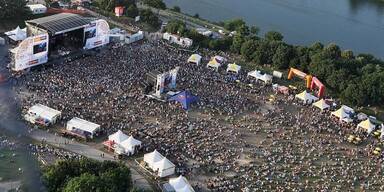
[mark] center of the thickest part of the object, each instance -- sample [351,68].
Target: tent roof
[305,96]
[83,125]
[185,98]
[321,104]
[186,188]
[153,157]
[44,111]
[164,164]
[233,67]
[257,74]
[17,34]
[367,124]
[118,137]
[58,23]
[179,183]
[194,58]
[130,142]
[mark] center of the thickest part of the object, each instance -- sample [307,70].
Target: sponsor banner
[31,51]
[96,34]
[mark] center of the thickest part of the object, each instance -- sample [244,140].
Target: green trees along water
[87,175]
[356,79]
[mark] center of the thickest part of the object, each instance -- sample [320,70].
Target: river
[357,25]
[14,129]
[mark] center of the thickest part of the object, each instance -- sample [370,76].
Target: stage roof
[60,23]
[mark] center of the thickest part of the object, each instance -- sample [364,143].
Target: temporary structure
[37,8]
[83,127]
[17,34]
[321,104]
[233,68]
[266,78]
[118,137]
[164,167]
[128,146]
[43,115]
[216,62]
[343,114]
[306,97]
[185,98]
[195,58]
[180,184]
[367,125]
[152,158]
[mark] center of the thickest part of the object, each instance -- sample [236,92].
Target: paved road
[87,151]
[7,186]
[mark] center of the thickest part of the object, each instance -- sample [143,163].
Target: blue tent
[185,98]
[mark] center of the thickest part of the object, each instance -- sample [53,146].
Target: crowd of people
[232,139]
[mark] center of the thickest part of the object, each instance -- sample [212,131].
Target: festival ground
[232,139]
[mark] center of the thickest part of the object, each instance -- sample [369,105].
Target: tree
[14,9]
[332,51]
[273,36]
[176,26]
[282,56]
[84,183]
[196,15]
[248,48]
[149,17]
[159,4]
[234,24]
[238,41]
[106,5]
[132,11]
[176,9]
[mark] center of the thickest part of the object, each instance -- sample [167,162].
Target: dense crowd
[231,140]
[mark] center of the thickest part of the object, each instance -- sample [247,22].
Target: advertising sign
[32,51]
[96,34]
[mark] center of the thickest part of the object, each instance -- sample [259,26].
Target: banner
[31,51]
[173,74]
[96,34]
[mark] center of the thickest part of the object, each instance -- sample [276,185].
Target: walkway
[87,151]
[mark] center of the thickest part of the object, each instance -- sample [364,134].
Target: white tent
[129,145]
[343,114]
[152,158]
[118,137]
[306,97]
[86,128]
[367,125]
[44,113]
[233,68]
[17,34]
[262,77]
[216,62]
[382,132]
[195,58]
[164,167]
[37,8]
[321,104]
[180,184]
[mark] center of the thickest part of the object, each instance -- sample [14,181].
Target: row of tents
[343,114]
[45,116]
[217,61]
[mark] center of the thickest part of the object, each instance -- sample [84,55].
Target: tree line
[130,10]
[87,175]
[355,79]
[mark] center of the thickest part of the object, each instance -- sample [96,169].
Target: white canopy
[163,164]
[44,112]
[195,58]
[233,68]
[367,125]
[152,158]
[343,113]
[321,104]
[130,144]
[306,97]
[118,137]
[180,184]
[266,78]
[17,34]
[81,124]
